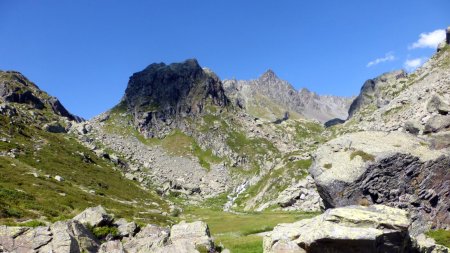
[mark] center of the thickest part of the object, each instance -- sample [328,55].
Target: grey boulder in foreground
[376,228]
[73,236]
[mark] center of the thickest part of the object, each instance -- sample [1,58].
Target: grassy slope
[441,237]
[24,196]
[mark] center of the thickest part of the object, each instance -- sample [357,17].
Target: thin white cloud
[429,40]
[412,64]
[388,57]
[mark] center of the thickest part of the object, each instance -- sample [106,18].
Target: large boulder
[349,229]
[437,123]
[62,236]
[125,228]
[94,216]
[148,239]
[300,196]
[196,233]
[111,247]
[436,104]
[394,168]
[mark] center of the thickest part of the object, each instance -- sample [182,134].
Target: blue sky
[84,51]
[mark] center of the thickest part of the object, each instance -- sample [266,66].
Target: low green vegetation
[29,190]
[180,144]
[328,166]
[102,232]
[365,156]
[240,143]
[176,143]
[239,232]
[441,236]
[393,111]
[308,129]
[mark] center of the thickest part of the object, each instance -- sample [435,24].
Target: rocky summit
[161,94]
[186,162]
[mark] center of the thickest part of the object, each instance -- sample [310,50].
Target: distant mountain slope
[270,97]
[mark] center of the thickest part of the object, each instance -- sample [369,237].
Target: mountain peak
[160,93]
[268,75]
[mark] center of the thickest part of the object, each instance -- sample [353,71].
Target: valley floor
[241,232]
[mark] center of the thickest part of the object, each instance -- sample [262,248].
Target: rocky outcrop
[74,236]
[396,101]
[94,216]
[16,88]
[160,95]
[373,92]
[63,236]
[376,228]
[270,97]
[394,169]
[301,195]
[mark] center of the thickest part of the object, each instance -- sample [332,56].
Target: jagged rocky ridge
[270,97]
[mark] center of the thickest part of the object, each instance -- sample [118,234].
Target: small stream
[234,195]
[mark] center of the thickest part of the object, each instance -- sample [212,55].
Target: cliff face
[277,97]
[161,94]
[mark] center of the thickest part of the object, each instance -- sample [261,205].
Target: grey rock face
[148,239]
[160,94]
[304,102]
[63,236]
[393,169]
[348,229]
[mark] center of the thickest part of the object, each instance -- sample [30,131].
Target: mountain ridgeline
[269,96]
